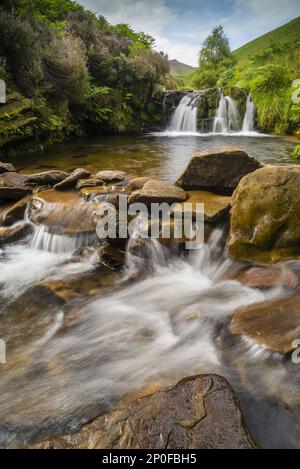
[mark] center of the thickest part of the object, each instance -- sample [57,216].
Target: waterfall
[45,240]
[227,116]
[185,116]
[249,119]
[221,118]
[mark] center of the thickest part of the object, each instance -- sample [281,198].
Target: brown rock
[216,207]
[7,168]
[13,186]
[14,233]
[274,324]
[217,170]
[14,212]
[72,179]
[138,183]
[47,177]
[264,278]
[90,182]
[197,413]
[158,192]
[265,220]
[111,176]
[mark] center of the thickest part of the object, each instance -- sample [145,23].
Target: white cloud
[180,36]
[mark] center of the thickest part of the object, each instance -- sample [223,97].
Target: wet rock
[83,254]
[218,170]
[90,192]
[265,278]
[216,207]
[90,182]
[112,257]
[111,176]
[72,179]
[274,324]
[47,177]
[139,182]
[158,192]
[7,168]
[13,186]
[14,233]
[198,412]
[63,213]
[265,221]
[14,212]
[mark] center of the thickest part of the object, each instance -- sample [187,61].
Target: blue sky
[180,26]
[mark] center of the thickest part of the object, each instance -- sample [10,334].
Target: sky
[181,26]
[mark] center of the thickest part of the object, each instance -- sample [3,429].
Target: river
[69,363]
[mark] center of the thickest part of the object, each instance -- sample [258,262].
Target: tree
[215,48]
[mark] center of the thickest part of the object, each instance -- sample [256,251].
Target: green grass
[286,38]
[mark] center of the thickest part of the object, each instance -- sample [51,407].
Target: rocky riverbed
[111,342]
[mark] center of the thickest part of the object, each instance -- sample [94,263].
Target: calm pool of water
[161,156]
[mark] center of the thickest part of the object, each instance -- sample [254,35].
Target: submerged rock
[14,233]
[265,220]
[7,168]
[158,192]
[111,176]
[216,207]
[218,170]
[274,324]
[72,179]
[197,413]
[47,177]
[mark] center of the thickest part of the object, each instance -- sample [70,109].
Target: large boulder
[265,216]
[158,192]
[274,324]
[197,413]
[218,170]
[72,179]
[47,177]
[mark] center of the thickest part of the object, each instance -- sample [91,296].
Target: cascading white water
[44,240]
[221,119]
[184,118]
[227,116]
[249,119]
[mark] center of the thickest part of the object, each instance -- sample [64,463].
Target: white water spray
[185,116]
[249,119]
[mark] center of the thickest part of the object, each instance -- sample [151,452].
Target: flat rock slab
[274,324]
[47,177]
[139,182]
[218,170]
[158,192]
[6,168]
[72,179]
[111,176]
[216,207]
[198,412]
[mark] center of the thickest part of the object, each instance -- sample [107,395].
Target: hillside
[273,43]
[179,68]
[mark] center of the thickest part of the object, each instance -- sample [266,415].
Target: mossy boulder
[265,216]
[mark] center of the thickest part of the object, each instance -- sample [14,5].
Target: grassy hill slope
[179,68]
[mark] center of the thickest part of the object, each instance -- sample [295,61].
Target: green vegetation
[266,67]
[80,74]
